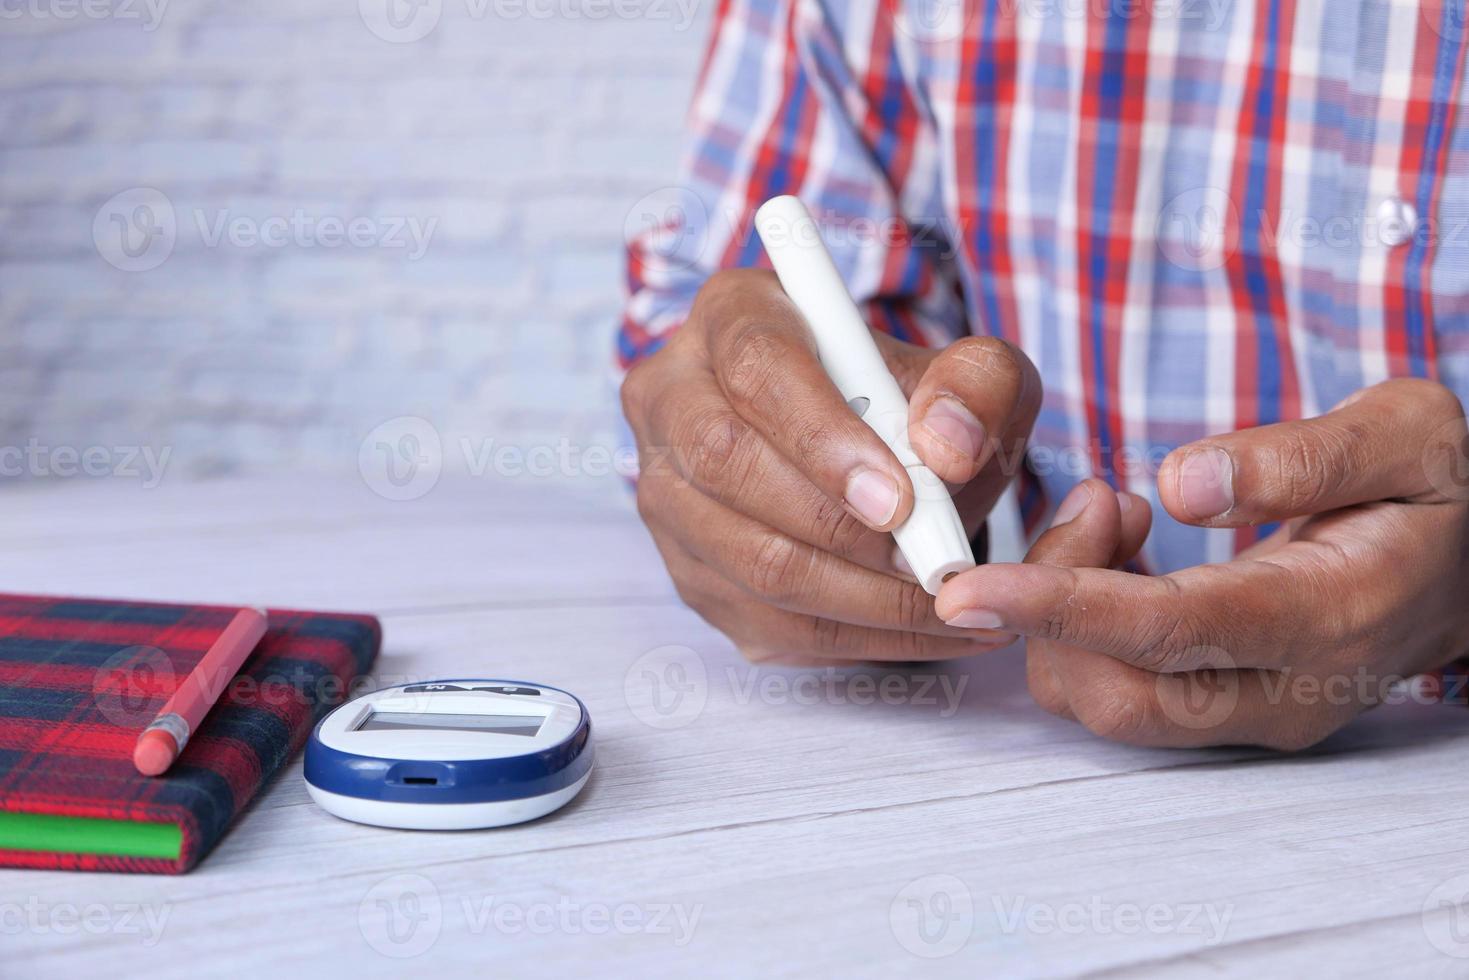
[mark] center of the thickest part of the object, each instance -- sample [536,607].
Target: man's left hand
[1365,583]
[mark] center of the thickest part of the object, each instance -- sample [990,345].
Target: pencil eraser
[154,752]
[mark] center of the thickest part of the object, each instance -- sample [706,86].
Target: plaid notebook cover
[80,678]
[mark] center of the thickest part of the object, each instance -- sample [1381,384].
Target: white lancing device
[932,539]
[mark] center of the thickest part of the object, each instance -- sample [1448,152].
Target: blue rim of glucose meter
[365,777]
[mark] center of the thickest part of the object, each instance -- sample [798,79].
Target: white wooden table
[766,822]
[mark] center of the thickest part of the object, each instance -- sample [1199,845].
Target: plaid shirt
[1195,216]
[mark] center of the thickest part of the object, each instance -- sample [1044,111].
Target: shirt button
[1396,221]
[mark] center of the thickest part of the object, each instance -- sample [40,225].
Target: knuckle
[827,636]
[835,530]
[774,572]
[912,608]
[1428,398]
[917,646]
[757,652]
[1164,640]
[1042,685]
[717,445]
[1004,368]
[997,363]
[1298,734]
[644,499]
[833,638]
[689,594]
[634,393]
[1304,468]
[653,495]
[1059,620]
[813,439]
[1442,402]
[729,287]
[754,363]
[1120,714]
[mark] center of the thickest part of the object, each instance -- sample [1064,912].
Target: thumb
[1376,445]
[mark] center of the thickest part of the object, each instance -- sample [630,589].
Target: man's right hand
[769,498]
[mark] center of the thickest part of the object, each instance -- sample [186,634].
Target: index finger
[1255,610]
[766,363]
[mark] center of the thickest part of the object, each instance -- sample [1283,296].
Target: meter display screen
[405,721]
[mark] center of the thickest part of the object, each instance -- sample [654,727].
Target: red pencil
[166,735]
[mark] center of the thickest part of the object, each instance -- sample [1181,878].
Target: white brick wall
[515,135]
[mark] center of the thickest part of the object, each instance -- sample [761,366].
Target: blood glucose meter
[451,755]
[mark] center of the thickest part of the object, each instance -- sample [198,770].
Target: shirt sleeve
[814,99]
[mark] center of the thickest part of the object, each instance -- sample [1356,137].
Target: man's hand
[1365,583]
[769,498]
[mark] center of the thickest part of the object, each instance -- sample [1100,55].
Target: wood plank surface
[741,821]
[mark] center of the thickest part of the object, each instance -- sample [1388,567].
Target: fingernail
[1073,505]
[1124,502]
[976,619]
[873,496]
[949,421]
[1206,483]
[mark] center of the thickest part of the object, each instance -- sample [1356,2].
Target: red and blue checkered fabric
[1195,217]
[80,678]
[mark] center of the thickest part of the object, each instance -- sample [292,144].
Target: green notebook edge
[57,834]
